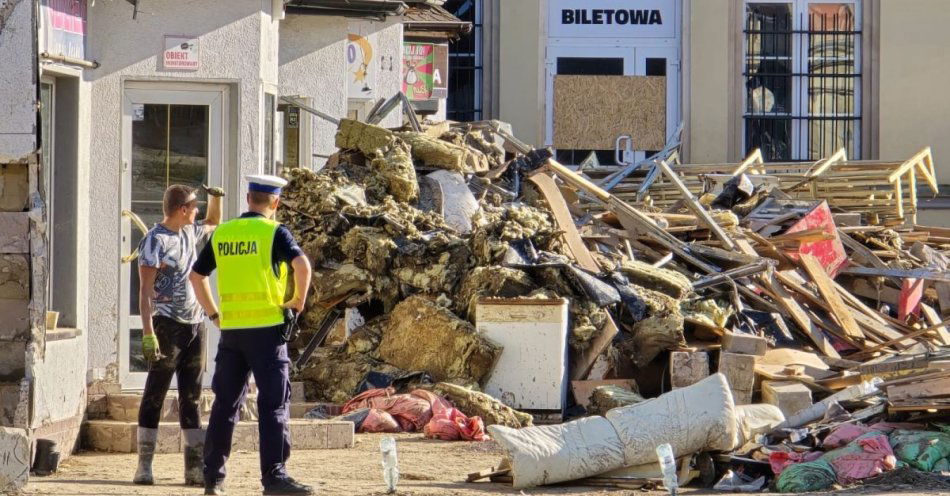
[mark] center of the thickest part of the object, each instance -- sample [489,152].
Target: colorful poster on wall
[64,27]
[417,70]
[361,65]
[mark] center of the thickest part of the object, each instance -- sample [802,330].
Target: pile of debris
[820,311]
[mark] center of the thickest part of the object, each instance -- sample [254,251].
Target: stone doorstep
[125,407]
[120,437]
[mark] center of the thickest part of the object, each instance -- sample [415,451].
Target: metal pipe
[70,60]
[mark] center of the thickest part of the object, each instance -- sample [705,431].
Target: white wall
[313,65]
[59,382]
[230,39]
[17,80]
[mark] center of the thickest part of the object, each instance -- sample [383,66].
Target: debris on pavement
[804,297]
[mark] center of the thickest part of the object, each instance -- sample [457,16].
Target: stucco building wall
[17,80]
[250,71]
[312,65]
[521,67]
[914,70]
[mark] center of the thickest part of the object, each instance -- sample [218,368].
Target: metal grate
[465,64]
[802,80]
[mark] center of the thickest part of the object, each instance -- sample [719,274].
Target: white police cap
[265,183]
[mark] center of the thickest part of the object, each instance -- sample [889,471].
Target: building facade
[798,79]
[104,104]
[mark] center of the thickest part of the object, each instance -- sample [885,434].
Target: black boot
[215,488]
[194,465]
[287,485]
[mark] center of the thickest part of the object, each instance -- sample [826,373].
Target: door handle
[137,222]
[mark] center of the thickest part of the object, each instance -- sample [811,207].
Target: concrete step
[125,406]
[120,437]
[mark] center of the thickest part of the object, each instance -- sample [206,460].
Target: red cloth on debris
[379,421]
[419,410]
[780,460]
[449,424]
[845,433]
[874,458]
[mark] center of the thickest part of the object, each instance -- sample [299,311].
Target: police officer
[251,254]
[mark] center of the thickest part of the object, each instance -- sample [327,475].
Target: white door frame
[215,96]
[634,53]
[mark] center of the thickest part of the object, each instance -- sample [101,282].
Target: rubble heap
[687,275]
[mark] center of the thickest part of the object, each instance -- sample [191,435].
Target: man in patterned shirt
[172,324]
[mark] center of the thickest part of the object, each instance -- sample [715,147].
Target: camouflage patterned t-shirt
[173,254]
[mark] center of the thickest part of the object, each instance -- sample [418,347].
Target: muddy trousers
[242,352]
[181,345]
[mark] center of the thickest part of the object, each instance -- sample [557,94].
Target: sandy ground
[427,468]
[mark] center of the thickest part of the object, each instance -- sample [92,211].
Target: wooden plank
[933,318]
[838,309]
[930,275]
[798,315]
[912,335]
[565,221]
[693,204]
[919,390]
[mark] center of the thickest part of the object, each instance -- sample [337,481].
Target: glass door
[169,137]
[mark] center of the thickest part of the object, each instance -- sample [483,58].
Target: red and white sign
[181,53]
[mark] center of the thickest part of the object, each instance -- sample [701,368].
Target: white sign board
[181,53]
[612,19]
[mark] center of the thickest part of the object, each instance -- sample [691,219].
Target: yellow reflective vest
[251,292]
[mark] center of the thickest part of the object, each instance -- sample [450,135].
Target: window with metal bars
[802,73]
[465,64]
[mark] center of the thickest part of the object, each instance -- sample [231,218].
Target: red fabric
[420,410]
[875,458]
[780,460]
[844,434]
[379,421]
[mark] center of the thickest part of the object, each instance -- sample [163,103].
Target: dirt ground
[427,467]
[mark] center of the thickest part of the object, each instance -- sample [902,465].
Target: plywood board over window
[591,111]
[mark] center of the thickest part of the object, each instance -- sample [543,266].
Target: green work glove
[150,348]
[213,191]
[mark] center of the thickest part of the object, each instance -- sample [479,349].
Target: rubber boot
[146,443]
[194,456]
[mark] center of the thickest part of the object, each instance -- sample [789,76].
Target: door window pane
[589,66]
[656,66]
[169,146]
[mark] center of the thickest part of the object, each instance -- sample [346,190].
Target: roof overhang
[374,9]
[428,20]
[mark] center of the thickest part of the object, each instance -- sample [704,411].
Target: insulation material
[664,280]
[366,138]
[608,397]
[444,155]
[755,420]
[423,336]
[591,111]
[697,418]
[491,411]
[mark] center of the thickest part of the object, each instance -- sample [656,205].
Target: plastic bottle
[664,453]
[387,446]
